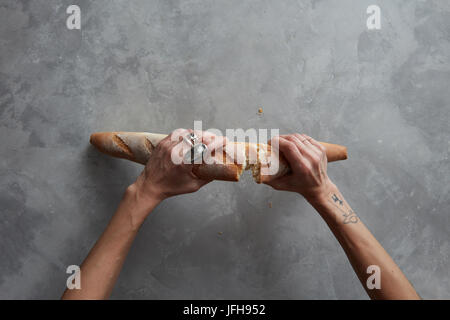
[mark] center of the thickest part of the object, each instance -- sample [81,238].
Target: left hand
[162,177]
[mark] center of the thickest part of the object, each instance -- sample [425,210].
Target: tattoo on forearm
[347,212]
[336,199]
[350,217]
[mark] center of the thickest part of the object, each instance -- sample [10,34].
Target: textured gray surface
[158,65]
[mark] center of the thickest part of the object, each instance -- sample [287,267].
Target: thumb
[278,183]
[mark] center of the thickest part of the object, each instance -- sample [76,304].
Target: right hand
[308,162]
[162,178]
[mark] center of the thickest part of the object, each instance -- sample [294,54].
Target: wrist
[142,197]
[147,191]
[134,207]
[319,196]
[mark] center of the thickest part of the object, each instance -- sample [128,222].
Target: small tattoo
[348,214]
[336,199]
[350,217]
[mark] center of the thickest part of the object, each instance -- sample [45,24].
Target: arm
[307,159]
[161,179]
[102,266]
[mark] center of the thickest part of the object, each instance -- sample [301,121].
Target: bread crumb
[260,110]
[270,204]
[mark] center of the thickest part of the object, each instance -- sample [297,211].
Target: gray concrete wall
[158,65]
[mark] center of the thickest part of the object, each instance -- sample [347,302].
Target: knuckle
[290,146]
[177,134]
[308,168]
[178,131]
[315,159]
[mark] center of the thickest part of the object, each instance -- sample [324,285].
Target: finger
[202,135]
[205,135]
[279,183]
[304,149]
[319,146]
[177,153]
[323,155]
[307,142]
[178,145]
[290,151]
[187,168]
[178,135]
[210,139]
[216,145]
[164,148]
[308,154]
[165,141]
[307,149]
[298,141]
[214,142]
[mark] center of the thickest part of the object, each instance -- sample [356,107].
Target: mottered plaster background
[158,65]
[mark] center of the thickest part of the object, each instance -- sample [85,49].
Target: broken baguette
[227,165]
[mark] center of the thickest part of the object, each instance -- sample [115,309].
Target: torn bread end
[256,172]
[239,172]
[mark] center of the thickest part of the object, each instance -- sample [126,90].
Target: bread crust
[227,165]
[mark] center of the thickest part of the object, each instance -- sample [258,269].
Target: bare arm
[102,266]
[361,247]
[309,178]
[161,179]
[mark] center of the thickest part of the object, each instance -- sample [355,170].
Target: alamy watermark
[73,21]
[374,20]
[74,280]
[243,147]
[374,280]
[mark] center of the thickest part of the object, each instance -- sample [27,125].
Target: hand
[308,162]
[163,177]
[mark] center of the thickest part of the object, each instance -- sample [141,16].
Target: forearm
[102,266]
[361,247]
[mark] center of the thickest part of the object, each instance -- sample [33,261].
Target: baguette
[227,165]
